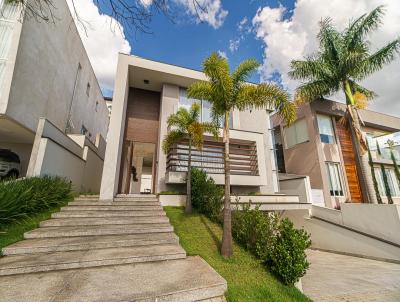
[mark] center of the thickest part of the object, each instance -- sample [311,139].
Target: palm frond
[172,137]
[377,60]
[363,26]
[212,128]
[311,68]
[216,69]
[244,70]
[369,94]
[194,112]
[180,119]
[201,90]
[266,96]
[312,90]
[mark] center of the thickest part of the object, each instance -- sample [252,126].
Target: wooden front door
[349,158]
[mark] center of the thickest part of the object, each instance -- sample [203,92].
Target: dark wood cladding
[142,116]
[350,164]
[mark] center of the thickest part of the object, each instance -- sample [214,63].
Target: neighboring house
[146,93]
[320,146]
[45,73]
[109,105]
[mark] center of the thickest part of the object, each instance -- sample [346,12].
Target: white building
[45,73]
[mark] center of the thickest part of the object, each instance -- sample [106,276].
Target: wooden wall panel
[142,116]
[349,159]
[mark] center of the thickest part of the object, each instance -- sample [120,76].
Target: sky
[273,32]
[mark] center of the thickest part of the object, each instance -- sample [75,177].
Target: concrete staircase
[128,243]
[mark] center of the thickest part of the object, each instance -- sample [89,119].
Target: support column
[115,136]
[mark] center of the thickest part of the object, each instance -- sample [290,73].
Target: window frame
[297,142]
[334,140]
[338,178]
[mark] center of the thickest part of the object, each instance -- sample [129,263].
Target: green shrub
[21,198]
[206,195]
[287,257]
[171,193]
[253,229]
[274,241]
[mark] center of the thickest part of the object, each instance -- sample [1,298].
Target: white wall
[330,237]
[75,159]
[297,186]
[44,77]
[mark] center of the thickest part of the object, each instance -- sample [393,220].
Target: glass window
[186,102]
[296,133]
[325,129]
[335,179]
[393,183]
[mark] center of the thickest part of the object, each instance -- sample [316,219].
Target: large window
[296,133]
[393,183]
[186,102]
[335,179]
[325,129]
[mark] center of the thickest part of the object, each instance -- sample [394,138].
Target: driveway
[333,277]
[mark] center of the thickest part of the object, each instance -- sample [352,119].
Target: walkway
[123,250]
[333,277]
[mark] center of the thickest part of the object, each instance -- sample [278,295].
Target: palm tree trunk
[226,248]
[188,209]
[365,168]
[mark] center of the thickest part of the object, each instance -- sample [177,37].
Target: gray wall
[44,77]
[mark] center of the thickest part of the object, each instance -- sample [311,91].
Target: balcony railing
[242,155]
[387,143]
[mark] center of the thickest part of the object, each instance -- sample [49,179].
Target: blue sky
[187,43]
[275,33]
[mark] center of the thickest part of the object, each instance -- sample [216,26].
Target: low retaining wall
[172,200]
[348,231]
[72,157]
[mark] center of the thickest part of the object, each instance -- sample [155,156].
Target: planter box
[172,200]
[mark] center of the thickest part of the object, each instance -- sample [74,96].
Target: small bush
[21,198]
[171,193]
[274,241]
[206,195]
[287,257]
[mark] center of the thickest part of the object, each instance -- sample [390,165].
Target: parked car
[10,165]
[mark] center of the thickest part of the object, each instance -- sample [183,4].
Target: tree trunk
[365,168]
[226,248]
[188,209]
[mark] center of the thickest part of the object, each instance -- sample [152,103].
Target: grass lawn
[15,231]
[247,278]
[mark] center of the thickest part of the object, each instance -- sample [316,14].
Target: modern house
[318,144]
[146,93]
[45,73]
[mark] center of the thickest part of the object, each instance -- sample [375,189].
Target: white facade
[45,73]
[166,81]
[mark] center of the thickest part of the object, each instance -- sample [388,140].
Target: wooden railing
[242,155]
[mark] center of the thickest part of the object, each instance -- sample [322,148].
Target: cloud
[222,54]
[234,44]
[242,23]
[103,38]
[287,39]
[209,11]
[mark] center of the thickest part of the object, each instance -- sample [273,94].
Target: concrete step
[22,264]
[113,203]
[74,231]
[66,214]
[87,197]
[111,208]
[46,245]
[184,280]
[104,221]
[136,198]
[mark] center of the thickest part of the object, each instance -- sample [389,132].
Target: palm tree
[344,58]
[186,124]
[229,91]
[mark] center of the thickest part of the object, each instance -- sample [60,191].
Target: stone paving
[333,277]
